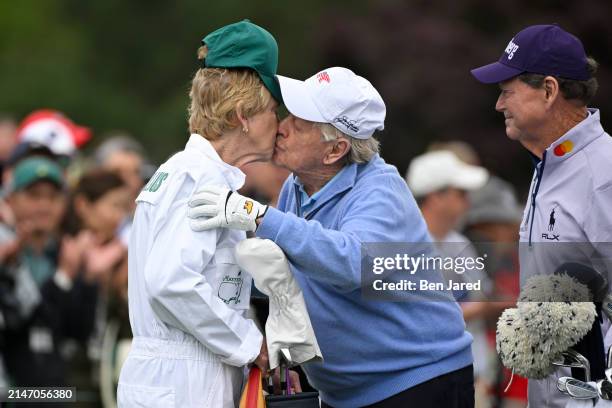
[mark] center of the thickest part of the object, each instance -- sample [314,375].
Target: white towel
[288,325]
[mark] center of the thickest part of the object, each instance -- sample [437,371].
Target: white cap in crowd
[336,96]
[434,171]
[54,130]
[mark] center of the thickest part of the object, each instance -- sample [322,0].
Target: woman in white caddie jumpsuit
[187,296]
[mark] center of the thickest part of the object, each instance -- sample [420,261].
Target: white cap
[51,133]
[434,171]
[336,96]
[53,129]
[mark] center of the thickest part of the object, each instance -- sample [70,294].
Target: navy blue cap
[538,49]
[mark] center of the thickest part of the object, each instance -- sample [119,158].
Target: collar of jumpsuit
[233,175]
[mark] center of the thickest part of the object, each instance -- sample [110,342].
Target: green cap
[245,45]
[34,169]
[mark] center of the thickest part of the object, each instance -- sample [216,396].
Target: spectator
[125,156]
[45,300]
[99,203]
[492,221]
[53,129]
[440,182]
[463,150]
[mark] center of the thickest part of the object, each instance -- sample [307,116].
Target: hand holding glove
[219,207]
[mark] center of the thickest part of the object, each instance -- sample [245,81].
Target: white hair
[362,150]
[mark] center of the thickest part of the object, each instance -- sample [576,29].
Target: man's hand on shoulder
[219,207]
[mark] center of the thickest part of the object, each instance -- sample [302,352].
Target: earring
[245,130]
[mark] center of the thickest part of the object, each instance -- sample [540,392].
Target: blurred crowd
[65,220]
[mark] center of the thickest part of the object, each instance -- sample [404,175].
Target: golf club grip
[591,346]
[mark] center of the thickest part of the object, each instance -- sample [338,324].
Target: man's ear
[338,149]
[243,121]
[551,89]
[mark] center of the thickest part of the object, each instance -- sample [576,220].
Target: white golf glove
[219,207]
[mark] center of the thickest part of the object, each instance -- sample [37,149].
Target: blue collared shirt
[307,202]
[371,349]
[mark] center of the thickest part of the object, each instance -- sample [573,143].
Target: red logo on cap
[322,76]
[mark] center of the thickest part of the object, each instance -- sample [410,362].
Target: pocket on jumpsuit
[233,286]
[137,396]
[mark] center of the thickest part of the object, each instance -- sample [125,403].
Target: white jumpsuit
[187,296]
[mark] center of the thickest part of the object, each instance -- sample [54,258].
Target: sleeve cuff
[249,349]
[270,224]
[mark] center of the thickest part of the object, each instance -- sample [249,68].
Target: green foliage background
[119,64]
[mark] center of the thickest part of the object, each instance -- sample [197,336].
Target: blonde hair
[362,150]
[217,92]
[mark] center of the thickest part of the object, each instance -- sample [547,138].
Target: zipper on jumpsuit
[539,173]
